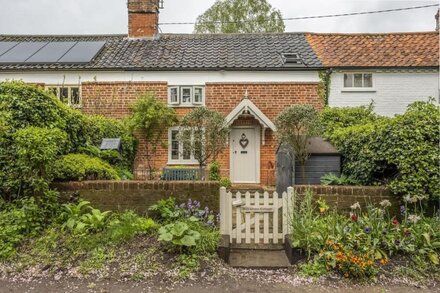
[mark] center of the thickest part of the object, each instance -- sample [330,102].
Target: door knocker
[244,141]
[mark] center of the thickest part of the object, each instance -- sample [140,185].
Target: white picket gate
[255,217]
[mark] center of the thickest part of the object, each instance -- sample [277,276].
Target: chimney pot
[143,18]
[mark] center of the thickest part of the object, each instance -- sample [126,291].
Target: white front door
[245,155]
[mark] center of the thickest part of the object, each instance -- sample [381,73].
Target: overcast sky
[110,16]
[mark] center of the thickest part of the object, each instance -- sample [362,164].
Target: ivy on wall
[324,86]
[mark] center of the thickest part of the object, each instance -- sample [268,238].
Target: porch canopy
[246,108]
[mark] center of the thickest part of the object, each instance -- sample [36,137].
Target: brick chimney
[437,26]
[143,18]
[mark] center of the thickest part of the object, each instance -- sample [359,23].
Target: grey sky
[110,16]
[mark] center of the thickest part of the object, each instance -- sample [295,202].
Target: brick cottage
[249,78]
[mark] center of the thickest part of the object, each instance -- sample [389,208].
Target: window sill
[185,105]
[179,163]
[358,90]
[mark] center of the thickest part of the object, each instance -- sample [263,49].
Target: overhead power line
[316,16]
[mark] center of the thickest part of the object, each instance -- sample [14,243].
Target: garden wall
[140,195]
[342,197]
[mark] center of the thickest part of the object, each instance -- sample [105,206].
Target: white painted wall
[172,77]
[393,91]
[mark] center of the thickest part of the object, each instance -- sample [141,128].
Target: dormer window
[292,59]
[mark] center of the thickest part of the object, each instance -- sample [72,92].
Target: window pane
[174,97]
[348,80]
[186,154]
[368,80]
[198,92]
[74,98]
[64,94]
[174,145]
[186,96]
[358,80]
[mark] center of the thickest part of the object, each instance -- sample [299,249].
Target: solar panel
[51,53]
[21,52]
[82,52]
[5,46]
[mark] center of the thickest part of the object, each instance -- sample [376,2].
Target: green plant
[152,118]
[333,179]
[225,182]
[179,235]
[166,210]
[295,125]
[82,167]
[401,151]
[214,171]
[81,218]
[125,226]
[203,133]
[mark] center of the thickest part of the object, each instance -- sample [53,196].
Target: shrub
[333,179]
[82,167]
[18,220]
[225,182]
[125,226]
[400,151]
[36,150]
[214,171]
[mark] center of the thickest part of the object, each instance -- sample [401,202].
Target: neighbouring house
[249,78]
[390,69]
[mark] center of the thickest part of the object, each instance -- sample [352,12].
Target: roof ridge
[372,34]
[63,35]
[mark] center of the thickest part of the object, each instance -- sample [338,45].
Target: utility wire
[316,16]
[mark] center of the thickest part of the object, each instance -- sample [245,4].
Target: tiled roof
[184,52]
[376,50]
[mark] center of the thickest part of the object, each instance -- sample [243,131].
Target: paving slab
[258,258]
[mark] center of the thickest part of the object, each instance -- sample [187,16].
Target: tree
[295,125]
[151,118]
[204,133]
[240,16]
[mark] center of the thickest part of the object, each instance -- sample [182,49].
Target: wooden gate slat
[266,219]
[257,218]
[238,218]
[275,217]
[248,218]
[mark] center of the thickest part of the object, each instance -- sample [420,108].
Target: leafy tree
[240,16]
[151,118]
[203,132]
[295,125]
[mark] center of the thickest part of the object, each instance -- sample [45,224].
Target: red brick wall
[113,99]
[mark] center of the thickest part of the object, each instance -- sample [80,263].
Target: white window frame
[180,89]
[69,93]
[180,161]
[358,89]
[190,88]
[202,100]
[170,102]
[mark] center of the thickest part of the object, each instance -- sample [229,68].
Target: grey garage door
[316,166]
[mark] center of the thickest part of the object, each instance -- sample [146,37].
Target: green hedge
[24,106]
[74,167]
[402,151]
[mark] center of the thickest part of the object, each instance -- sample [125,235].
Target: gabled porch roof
[246,107]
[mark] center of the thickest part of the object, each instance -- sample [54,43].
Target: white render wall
[393,90]
[172,77]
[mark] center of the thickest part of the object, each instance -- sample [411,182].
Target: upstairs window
[358,80]
[186,96]
[70,95]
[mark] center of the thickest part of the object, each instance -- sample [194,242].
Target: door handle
[235,152]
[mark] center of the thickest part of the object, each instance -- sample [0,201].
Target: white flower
[413,218]
[385,203]
[355,206]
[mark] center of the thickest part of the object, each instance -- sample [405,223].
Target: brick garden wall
[140,195]
[113,99]
[342,197]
